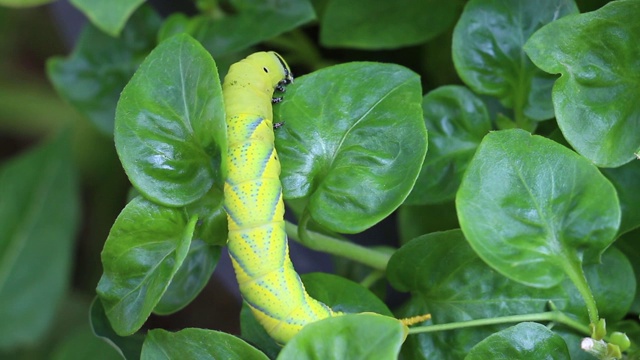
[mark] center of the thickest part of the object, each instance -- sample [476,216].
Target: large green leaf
[626,180]
[146,246]
[353,142]
[108,15]
[448,280]
[524,341]
[385,24]
[93,76]
[197,344]
[170,129]
[457,120]
[354,336]
[488,55]
[535,210]
[252,21]
[38,221]
[595,99]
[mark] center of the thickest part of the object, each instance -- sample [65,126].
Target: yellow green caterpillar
[253,201]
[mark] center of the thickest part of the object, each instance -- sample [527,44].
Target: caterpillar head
[282,72]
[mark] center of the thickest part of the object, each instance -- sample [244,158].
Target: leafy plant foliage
[513,174]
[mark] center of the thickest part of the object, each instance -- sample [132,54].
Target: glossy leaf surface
[535,210]
[595,99]
[488,55]
[170,125]
[197,344]
[456,120]
[146,246]
[353,142]
[524,341]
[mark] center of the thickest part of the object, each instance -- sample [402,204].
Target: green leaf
[414,221]
[448,280]
[212,218]
[197,344]
[93,76]
[128,347]
[613,284]
[145,248]
[626,179]
[385,24]
[342,294]
[252,22]
[629,244]
[535,210]
[23,3]
[82,345]
[109,16]
[39,215]
[353,142]
[456,120]
[193,275]
[338,293]
[255,334]
[488,55]
[595,99]
[354,336]
[524,341]
[170,128]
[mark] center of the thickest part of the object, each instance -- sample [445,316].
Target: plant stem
[555,316]
[370,279]
[320,242]
[573,269]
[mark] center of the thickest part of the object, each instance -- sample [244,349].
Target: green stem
[320,242]
[555,316]
[573,269]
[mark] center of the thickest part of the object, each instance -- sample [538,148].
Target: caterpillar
[257,241]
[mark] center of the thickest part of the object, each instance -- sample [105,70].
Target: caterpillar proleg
[257,240]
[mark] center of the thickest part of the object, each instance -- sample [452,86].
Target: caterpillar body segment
[257,240]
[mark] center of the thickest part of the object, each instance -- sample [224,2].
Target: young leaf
[353,336]
[595,98]
[524,341]
[535,210]
[108,15]
[145,248]
[38,222]
[170,127]
[384,24]
[488,55]
[353,142]
[456,120]
[197,344]
[93,76]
